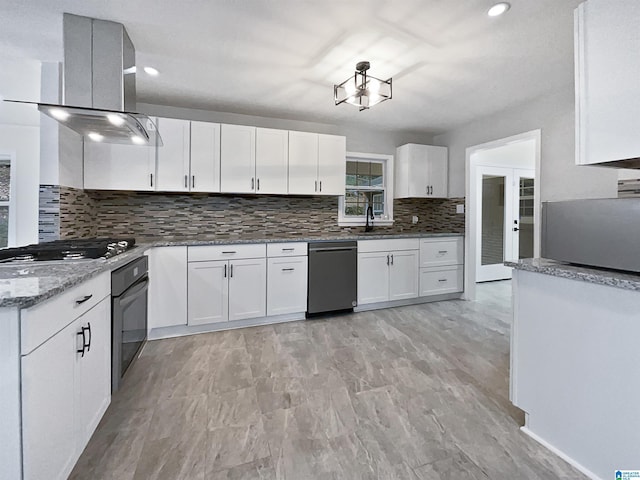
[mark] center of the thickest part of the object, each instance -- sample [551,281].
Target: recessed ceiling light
[59,114]
[115,119]
[151,71]
[137,140]
[96,137]
[498,9]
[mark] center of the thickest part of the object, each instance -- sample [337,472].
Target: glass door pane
[493,216]
[525,218]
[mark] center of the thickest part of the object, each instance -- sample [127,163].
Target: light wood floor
[415,393]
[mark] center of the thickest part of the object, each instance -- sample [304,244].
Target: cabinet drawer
[208,253]
[436,281]
[291,249]
[445,251]
[365,246]
[44,320]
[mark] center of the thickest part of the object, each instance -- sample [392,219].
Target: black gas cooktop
[70,249]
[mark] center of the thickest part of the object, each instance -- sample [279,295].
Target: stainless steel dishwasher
[333,278]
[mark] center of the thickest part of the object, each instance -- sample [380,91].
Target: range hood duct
[99,84]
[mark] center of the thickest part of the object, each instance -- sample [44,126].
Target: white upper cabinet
[109,166]
[173,156]
[317,164]
[332,164]
[607,70]
[303,163]
[421,171]
[272,160]
[205,157]
[237,159]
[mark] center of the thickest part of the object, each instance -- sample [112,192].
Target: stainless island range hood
[100,84]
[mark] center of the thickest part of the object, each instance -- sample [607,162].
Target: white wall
[515,155]
[560,178]
[20,138]
[358,139]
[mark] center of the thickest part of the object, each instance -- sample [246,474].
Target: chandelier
[362,90]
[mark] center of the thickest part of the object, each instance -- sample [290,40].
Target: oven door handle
[133,293]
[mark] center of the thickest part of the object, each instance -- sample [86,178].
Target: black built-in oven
[129,286]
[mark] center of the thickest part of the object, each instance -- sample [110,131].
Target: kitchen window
[368,183]
[5,199]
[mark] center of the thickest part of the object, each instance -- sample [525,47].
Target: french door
[505,219]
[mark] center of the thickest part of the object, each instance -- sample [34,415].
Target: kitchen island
[575,345]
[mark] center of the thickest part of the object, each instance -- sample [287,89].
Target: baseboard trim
[184,330]
[407,302]
[561,454]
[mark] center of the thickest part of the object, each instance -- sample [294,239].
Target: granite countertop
[601,276]
[259,238]
[28,284]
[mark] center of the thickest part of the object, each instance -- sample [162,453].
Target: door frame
[471,221]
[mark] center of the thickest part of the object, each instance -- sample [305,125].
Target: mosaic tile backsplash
[152,215]
[49,213]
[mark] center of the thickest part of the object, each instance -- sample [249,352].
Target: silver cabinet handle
[231,271]
[391,259]
[288,269]
[442,280]
[258,184]
[320,185]
[230,251]
[151,178]
[193,181]
[442,252]
[225,271]
[186,181]
[288,249]
[252,184]
[387,259]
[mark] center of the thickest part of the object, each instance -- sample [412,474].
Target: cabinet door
[208,292]
[373,277]
[93,372]
[303,163]
[48,413]
[403,275]
[237,159]
[247,288]
[418,171]
[272,160]
[205,157]
[173,156]
[286,285]
[167,287]
[438,173]
[607,68]
[332,164]
[119,167]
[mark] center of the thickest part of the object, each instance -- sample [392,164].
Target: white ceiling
[450,62]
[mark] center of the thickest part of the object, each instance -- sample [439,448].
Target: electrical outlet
[460,208]
[414,219]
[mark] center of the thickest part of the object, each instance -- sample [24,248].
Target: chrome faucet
[368,227]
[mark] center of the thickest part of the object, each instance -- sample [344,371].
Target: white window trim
[9,157]
[387,160]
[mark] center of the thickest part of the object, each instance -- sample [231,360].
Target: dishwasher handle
[332,249]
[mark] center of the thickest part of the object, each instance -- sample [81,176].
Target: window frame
[387,161]
[8,157]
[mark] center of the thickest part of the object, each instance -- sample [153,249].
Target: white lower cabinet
[167,287]
[226,290]
[208,292]
[440,280]
[387,276]
[286,285]
[65,391]
[441,265]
